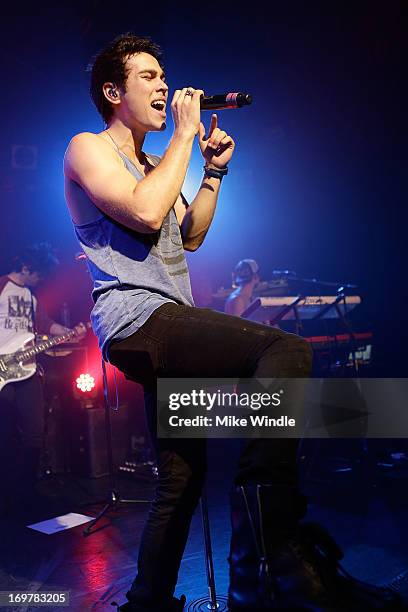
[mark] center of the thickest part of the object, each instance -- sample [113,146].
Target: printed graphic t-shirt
[16,304]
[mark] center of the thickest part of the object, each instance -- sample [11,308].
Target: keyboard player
[245,278]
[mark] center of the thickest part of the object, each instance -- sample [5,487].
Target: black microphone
[224,101]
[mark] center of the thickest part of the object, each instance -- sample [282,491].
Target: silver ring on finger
[189,92]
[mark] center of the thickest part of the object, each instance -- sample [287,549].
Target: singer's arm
[195,219]
[217,149]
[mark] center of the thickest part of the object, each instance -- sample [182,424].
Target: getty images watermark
[288,408]
[223,399]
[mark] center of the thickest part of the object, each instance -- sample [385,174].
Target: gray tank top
[133,273]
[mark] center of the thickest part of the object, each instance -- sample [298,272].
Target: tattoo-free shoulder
[85,143]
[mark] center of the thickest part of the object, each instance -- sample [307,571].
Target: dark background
[318,181]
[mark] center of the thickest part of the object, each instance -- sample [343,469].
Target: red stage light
[85,383]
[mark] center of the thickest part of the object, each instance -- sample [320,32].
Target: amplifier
[89,455]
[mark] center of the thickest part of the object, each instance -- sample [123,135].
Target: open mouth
[160,106]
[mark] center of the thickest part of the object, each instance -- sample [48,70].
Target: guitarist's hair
[39,257]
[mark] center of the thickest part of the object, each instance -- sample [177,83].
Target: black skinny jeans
[181,341]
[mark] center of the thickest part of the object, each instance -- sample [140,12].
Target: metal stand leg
[212,602]
[209,566]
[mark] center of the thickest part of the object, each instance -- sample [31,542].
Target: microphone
[224,101]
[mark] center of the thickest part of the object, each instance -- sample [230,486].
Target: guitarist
[21,402]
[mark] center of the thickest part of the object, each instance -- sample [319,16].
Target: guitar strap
[39,367]
[33,314]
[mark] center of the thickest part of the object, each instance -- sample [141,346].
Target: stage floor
[367,514]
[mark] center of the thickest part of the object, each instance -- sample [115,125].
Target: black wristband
[215,172]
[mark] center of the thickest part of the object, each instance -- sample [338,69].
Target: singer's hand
[186,111]
[216,148]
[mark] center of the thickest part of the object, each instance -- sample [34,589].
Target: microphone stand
[212,601]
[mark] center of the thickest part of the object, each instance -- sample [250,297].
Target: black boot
[276,563]
[259,514]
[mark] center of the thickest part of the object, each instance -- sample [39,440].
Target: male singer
[134,224]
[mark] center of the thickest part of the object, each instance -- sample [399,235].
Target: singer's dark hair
[109,65]
[39,257]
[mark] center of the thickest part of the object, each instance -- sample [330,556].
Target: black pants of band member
[181,341]
[21,435]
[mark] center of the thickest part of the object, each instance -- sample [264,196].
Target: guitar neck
[44,345]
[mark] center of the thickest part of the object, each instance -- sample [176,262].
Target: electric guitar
[17,357]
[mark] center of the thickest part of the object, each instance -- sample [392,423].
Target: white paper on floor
[60,523]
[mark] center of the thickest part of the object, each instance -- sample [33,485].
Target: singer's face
[145,98]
